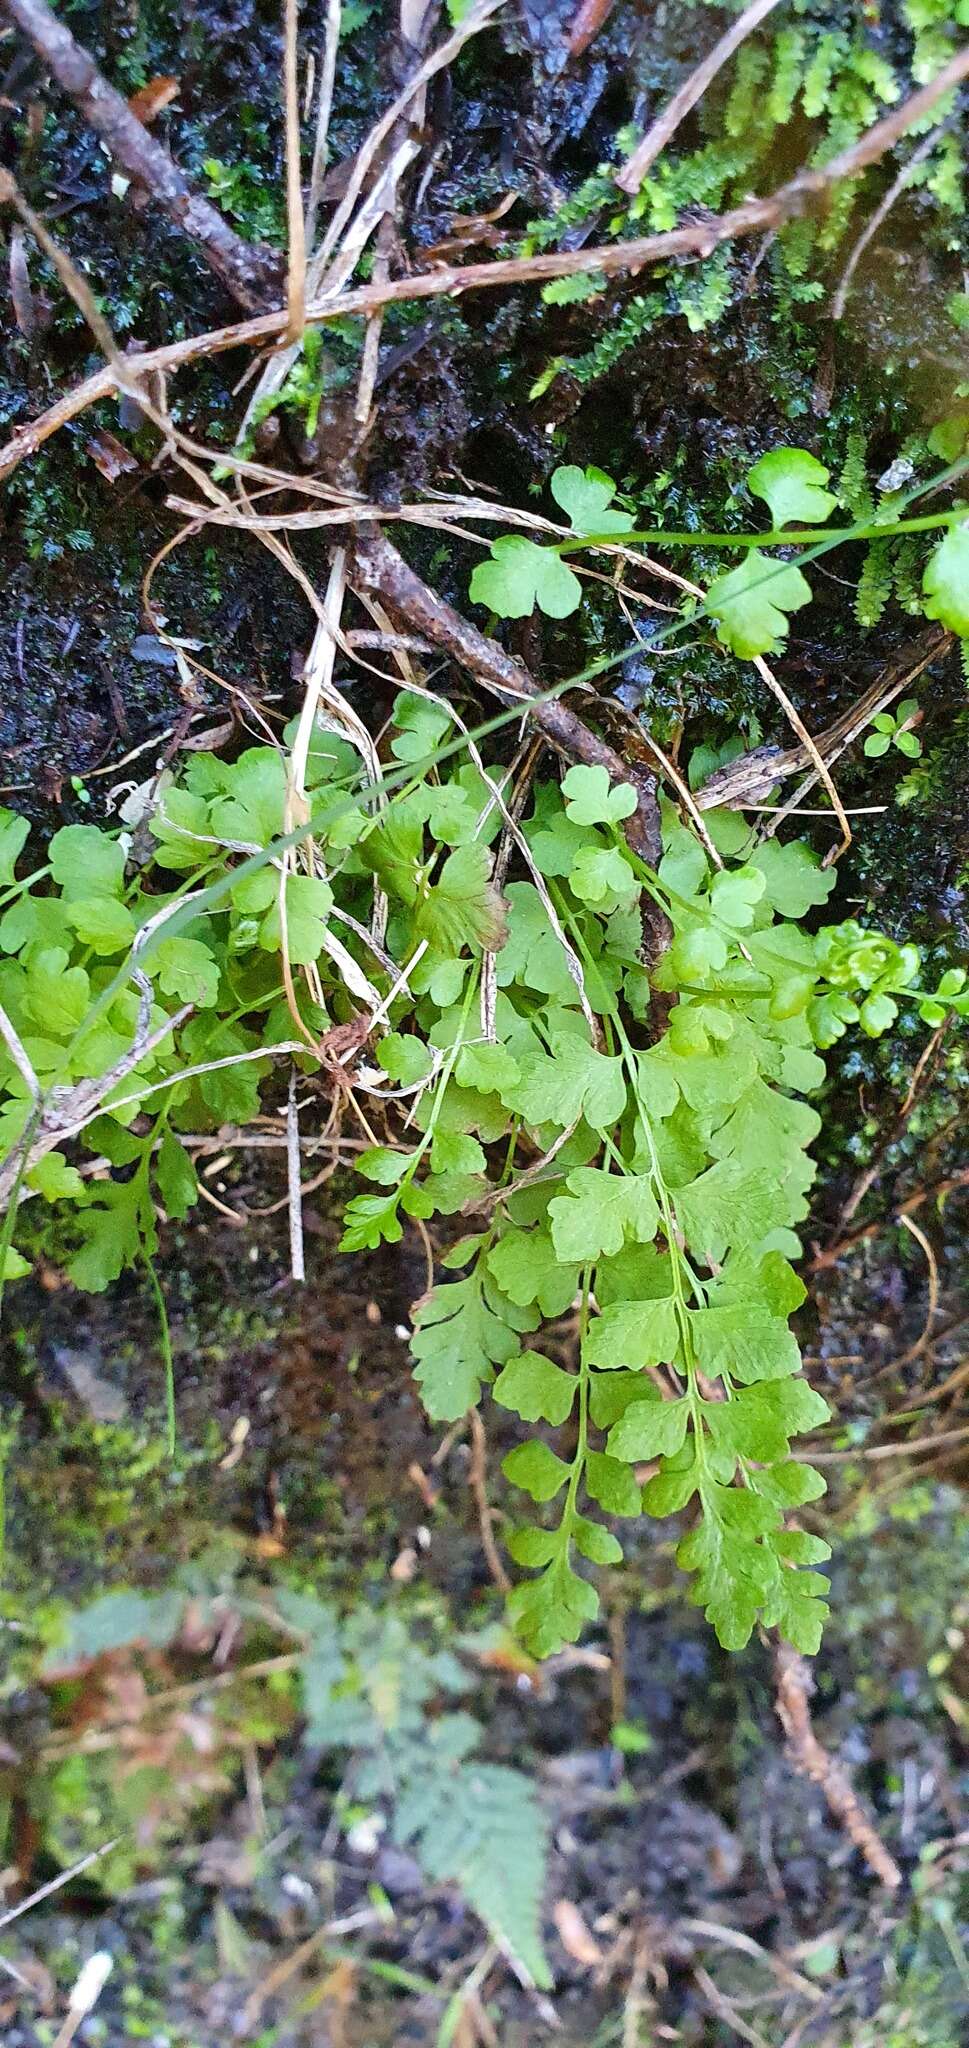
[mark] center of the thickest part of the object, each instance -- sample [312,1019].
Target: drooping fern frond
[481,1826]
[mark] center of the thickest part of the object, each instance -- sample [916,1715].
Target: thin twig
[935,1192]
[745,781]
[912,1447]
[810,744]
[296,1256]
[725,2011]
[665,125]
[478,1482]
[18,1053]
[915,1350]
[364,1916]
[867,1179]
[324,105]
[870,230]
[57,1884]
[295,220]
[731,1937]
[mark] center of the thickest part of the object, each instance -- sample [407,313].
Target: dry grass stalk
[295,220]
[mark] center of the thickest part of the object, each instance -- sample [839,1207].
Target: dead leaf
[20,292]
[575,1937]
[110,455]
[150,100]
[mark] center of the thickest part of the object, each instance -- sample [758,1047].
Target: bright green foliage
[13,834]
[652,1188]
[891,729]
[586,496]
[792,482]
[751,602]
[521,575]
[946,581]
[590,798]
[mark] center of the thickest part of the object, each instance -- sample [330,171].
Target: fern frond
[480,1826]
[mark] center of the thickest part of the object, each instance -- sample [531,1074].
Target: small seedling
[894,729]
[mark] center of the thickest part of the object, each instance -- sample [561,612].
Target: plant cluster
[369,1689]
[642,1183]
[751,604]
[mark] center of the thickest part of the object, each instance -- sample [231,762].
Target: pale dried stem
[915,1350]
[324,106]
[666,124]
[295,221]
[882,210]
[18,1053]
[810,744]
[297,1260]
[439,59]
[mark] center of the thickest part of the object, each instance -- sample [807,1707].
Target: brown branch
[809,1757]
[382,571]
[697,239]
[251,272]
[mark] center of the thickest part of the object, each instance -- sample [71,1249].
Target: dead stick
[808,1755]
[250,271]
[697,239]
[382,571]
